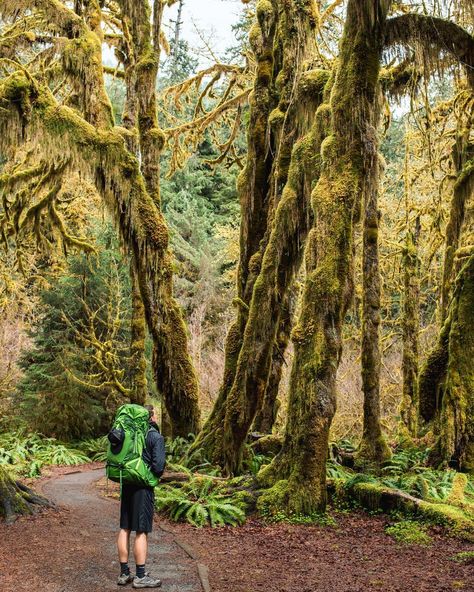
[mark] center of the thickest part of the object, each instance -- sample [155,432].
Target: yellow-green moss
[312,82]
[456,496]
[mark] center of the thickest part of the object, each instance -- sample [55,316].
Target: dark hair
[150,410]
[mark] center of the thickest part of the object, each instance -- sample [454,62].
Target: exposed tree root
[18,499]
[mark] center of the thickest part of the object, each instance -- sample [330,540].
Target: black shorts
[136,508]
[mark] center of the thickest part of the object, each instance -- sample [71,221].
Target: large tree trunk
[435,35]
[137,344]
[456,422]
[451,382]
[298,473]
[434,370]
[289,227]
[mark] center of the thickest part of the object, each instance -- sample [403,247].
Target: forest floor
[72,549]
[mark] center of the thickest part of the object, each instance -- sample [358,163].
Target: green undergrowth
[95,448]
[408,471]
[202,501]
[409,532]
[314,519]
[24,454]
[407,485]
[466,557]
[444,497]
[180,459]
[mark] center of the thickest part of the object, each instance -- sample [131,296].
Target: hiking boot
[124,579]
[146,582]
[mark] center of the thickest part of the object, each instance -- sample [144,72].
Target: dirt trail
[73,549]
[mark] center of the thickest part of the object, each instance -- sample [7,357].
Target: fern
[178,454]
[26,454]
[94,448]
[200,501]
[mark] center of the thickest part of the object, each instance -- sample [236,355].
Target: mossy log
[16,499]
[375,497]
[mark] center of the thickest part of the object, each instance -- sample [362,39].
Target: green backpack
[126,443]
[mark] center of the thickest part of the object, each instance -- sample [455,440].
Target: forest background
[72,335]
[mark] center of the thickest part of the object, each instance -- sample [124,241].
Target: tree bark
[433,372]
[130,190]
[175,375]
[291,177]
[456,422]
[137,344]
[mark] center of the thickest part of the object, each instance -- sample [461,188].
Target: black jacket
[154,452]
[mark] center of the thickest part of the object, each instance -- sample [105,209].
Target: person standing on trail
[136,511]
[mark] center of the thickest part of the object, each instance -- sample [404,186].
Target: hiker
[136,511]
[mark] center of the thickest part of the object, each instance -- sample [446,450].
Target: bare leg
[123,545]
[140,548]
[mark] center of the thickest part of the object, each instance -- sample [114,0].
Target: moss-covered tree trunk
[373,449]
[456,421]
[450,384]
[433,371]
[253,187]
[297,476]
[410,328]
[432,36]
[17,499]
[137,344]
[85,139]
[266,416]
[294,170]
[175,376]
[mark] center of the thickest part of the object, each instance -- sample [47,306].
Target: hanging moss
[103,156]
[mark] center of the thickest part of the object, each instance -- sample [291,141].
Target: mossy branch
[436,36]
